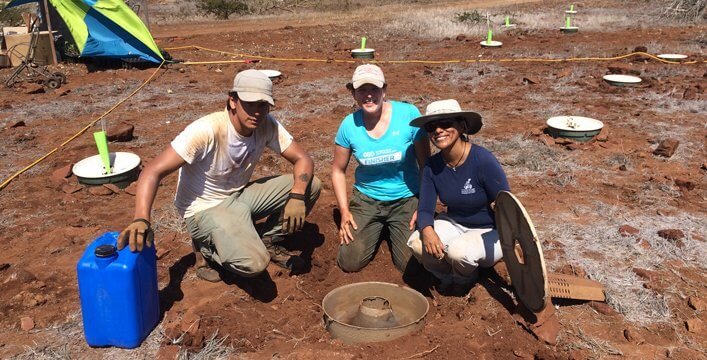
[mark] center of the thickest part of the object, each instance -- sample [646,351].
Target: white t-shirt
[219,160]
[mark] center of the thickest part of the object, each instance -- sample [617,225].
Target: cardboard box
[4,60]
[17,46]
[14,30]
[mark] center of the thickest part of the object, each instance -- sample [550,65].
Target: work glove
[137,235]
[293,214]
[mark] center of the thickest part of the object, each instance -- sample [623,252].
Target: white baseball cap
[252,85]
[368,74]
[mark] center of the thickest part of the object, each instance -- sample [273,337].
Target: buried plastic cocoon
[363,53]
[373,312]
[125,168]
[577,128]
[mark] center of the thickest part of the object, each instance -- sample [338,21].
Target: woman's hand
[345,231]
[413,220]
[432,243]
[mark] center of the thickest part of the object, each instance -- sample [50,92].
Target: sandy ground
[578,195]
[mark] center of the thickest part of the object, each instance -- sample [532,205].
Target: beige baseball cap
[252,85]
[368,74]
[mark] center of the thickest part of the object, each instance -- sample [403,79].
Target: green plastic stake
[567,23]
[571,7]
[102,144]
[363,43]
[508,20]
[489,36]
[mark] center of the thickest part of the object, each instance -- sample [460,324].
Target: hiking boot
[282,257]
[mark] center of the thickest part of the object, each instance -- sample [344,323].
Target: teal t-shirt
[387,167]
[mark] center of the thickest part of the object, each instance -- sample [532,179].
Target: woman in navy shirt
[466,178]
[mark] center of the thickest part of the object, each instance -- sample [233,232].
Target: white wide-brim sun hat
[449,109]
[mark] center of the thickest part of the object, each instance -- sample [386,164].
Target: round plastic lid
[672,56]
[493,43]
[92,167]
[574,123]
[105,251]
[625,79]
[366,50]
[271,73]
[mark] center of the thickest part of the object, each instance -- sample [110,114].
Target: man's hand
[137,235]
[345,232]
[433,245]
[293,214]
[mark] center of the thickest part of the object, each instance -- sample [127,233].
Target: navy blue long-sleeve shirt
[467,191]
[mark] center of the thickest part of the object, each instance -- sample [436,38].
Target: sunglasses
[443,124]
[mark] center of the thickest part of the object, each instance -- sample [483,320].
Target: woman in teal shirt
[389,153]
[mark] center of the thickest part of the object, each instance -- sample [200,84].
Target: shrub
[222,9]
[11,16]
[471,18]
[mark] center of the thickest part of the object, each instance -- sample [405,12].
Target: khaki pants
[371,216]
[226,233]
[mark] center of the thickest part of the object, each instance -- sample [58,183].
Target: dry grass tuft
[214,348]
[618,255]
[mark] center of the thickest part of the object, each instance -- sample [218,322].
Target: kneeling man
[216,156]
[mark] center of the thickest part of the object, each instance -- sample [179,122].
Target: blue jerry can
[118,291]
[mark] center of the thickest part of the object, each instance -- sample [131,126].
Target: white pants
[465,249]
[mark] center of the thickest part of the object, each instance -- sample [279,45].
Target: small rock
[530,81]
[190,322]
[603,135]
[633,336]
[16,124]
[26,323]
[697,303]
[573,146]
[112,187]
[168,352]
[602,308]
[427,72]
[100,191]
[131,189]
[666,148]
[643,244]
[690,94]
[522,354]
[684,184]
[564,73]
[628,230]
[671,234]
[34,89]
[61,173]
[120,132]
[537,131]
[694,325]
[645,274]
[71,188]
[162,252]
[622,69]
[547,140]
[460,37]
[640,49]
[563,141]
[182,70]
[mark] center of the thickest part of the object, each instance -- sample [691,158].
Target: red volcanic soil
[47,220]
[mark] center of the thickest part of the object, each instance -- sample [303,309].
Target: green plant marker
[508,20]
[102,144]
[489,36]
[571,7]
[567,23]
[363,43]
